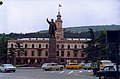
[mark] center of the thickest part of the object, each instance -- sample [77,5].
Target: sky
[25,16]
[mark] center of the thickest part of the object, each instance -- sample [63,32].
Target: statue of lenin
[52,28]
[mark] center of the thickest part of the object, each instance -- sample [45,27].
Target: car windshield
[106,62]
[8,65]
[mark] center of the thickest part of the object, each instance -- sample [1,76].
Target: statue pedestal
[52,51]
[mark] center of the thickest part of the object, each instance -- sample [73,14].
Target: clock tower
[59,32]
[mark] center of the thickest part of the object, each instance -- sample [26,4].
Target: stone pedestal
[52,51]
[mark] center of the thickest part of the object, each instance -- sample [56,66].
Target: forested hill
[71,32]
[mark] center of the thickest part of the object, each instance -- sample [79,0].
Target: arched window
[57,46]
[11,45]
[82,46]
[82,54]
[62,53]
[39,45]
[46,45]
[32,45]
[62,46]
[75,46]
[68,54]
[46,54]
[32,53]
[68,46]
[57,53]
[26,45]
[39,53]
[75,54]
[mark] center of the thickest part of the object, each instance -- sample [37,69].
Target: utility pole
[114,38]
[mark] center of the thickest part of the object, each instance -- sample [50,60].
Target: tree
[3,49]
[97,47]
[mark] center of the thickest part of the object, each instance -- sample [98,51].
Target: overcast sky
[24,16]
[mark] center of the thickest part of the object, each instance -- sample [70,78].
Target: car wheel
[61,68]
[13,70]
[50,69]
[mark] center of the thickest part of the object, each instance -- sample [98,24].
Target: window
[25,53]
[68,53]
[11,45]
[25,45]
[39,53]
[62,53]
[46,54]
[46,45]
[39,45]
[18,53]
[32,53]
[82,54]
[32,45]
[68,46]
[18,44]
[75,54]
[82,46]
[75,46]
[57,53]
[57,46]
[62,46]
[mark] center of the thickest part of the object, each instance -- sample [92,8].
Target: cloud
[23,16]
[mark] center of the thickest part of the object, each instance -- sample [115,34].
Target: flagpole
[59,8]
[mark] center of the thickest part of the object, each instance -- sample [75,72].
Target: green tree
[97,47]
[3,49]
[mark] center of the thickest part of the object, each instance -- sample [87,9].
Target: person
[52,28]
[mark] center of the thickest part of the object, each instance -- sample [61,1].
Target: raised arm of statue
[48,20]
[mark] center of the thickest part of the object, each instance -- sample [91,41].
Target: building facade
[35,50]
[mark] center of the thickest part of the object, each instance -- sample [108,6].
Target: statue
[52,28]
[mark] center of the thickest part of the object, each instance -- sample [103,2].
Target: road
[40,74]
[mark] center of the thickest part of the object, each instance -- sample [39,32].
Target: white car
[7,67]
[52,66]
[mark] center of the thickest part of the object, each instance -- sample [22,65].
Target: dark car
[107,72]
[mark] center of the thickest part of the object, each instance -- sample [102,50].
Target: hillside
[80,29]
[95,28]
[71,32]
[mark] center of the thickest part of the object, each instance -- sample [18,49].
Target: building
[35,50]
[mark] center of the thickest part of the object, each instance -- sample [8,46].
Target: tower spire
[59,11]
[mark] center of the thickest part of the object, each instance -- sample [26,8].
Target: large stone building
[36,50]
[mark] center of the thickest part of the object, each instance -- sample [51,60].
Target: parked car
[73,66]
[7,67]
[87,66]
[52,66]
[99,65]
[107,72]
